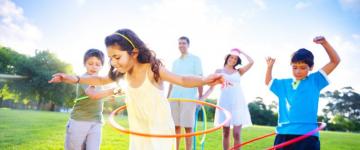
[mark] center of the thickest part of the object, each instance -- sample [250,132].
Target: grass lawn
[40,130]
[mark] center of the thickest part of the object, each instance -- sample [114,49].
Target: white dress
[233,100]
[149,112]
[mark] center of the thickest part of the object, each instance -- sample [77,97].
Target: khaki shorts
[183,113]
[83,135]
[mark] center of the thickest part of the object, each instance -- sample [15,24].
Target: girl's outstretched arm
[333,56]
[190,81]
[91,80]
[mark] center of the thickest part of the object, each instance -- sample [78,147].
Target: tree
[5,93]
[39,69]
[344,102]
[262,114]
[342,113]
[9,60]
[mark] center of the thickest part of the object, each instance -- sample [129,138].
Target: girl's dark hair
[94,53]
[145,54]
[303,56]
[238,62]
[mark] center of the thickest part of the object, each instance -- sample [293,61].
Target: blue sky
[259,27]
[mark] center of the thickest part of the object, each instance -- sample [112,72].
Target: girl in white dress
[148,109]
[232,97]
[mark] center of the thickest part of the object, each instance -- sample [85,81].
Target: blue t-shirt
[298,106]
[188,65]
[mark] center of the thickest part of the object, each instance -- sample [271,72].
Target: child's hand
[319,40]
[62,77]
[270,61]
[118,91]
[214,79]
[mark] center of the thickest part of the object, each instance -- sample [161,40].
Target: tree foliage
[262,114]
[344,102]
[38,70]
[342,113]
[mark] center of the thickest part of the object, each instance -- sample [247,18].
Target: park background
[39,38]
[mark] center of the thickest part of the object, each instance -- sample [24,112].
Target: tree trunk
[1,101]
[52,106]
[39,104]
[1,98]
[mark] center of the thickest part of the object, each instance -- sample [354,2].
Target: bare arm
[207,93]
[91,80]
[270,62]
[200,91]
[211,88]
[95,80]
[244,69]
[97,95]
[190,81]
[333,56]
[169,91]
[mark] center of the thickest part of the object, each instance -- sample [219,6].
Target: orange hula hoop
[121,129]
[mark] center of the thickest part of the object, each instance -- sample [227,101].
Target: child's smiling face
[120,59]
[93,65]
[300,70]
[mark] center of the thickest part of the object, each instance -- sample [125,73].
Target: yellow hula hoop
[121,129]
[86,97]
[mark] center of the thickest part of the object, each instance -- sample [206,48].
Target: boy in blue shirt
[299,97]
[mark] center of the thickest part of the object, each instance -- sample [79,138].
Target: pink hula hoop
[297,139]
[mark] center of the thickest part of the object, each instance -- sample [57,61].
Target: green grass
[39,130]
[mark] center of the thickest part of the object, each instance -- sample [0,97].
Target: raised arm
[190,81]
[91,80]
[244,69]
[333,56]
[270,62]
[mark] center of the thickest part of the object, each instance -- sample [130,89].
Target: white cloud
[260,3]
[15,30]
[353,5]
[301,5]
[356,36]
[8,10]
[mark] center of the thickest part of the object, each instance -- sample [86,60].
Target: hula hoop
[81,98]
[321,126]
[202,142]
[86,97]
[294,140]
[121,129]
